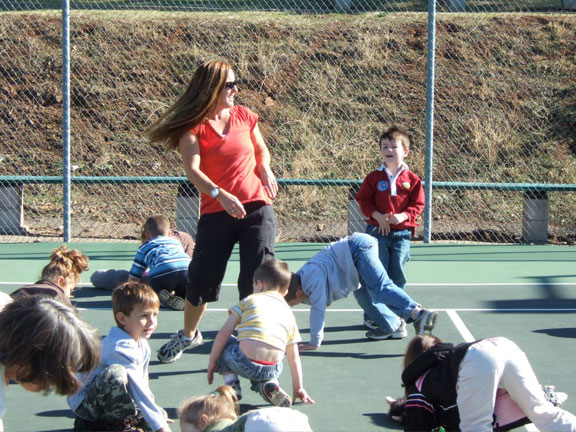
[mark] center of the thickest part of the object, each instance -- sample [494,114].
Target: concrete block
[535,218]
[187,209]
[356,220]
[12,210]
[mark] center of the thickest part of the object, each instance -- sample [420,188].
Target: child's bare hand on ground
[211,369]
[302,395]
[306,347]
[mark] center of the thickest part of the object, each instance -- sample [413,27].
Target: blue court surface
[525,293]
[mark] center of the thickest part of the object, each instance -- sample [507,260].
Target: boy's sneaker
[173,349]
[554,397]
[236,386]
[370,325]
[426,321]
[272,393]
[378,334]
[171,301]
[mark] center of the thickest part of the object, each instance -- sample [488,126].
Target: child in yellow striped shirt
[267,331]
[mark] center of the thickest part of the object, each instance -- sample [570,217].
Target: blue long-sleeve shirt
[162,255]
[330,275]
[120,348]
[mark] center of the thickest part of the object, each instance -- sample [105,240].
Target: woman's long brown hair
[193,107]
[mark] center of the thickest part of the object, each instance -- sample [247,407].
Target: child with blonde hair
[218,411]
[59,277]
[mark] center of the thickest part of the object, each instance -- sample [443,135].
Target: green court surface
[526,293]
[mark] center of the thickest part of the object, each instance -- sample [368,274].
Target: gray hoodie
[330,275]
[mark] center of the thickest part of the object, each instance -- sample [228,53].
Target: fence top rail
[523,187]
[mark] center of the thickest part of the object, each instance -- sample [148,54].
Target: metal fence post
[429,120]
[66,115]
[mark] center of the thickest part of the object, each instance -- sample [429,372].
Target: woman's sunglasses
[230,85]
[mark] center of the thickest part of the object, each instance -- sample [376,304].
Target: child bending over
[267,331]
[59,277]
[352,265]
[117,391]
[164,256]
[475,387]
[218,412]
[43,343]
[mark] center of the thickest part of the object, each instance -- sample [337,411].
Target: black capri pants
[215,239]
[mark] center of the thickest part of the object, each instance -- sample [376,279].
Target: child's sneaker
[173,349]
[378,334]
[272,393]
[236,386]
[370,325]
[426,321]
[554,397]
[171,301]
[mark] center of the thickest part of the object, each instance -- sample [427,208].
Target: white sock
[230,378]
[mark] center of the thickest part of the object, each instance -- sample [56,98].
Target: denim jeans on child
[382,301]
[233,360]
[394,252]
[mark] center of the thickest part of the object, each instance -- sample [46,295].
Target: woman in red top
[225,157]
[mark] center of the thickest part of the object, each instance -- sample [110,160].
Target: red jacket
[375,194]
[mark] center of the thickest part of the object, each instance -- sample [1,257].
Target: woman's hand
[269,181]
[231,204]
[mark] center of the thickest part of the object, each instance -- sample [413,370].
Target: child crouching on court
[267,331]
[164,256]
[117,391]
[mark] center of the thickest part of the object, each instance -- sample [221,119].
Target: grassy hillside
[324,86]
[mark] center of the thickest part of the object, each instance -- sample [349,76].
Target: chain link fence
[326,77]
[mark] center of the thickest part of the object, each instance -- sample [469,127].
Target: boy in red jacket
[392,197]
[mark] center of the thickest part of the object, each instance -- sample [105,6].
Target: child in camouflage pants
[117,393]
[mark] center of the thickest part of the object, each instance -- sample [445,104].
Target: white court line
[468,337]
[460,325]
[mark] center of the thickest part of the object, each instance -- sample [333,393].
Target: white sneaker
[554,397]
[173,349]
[370,325]
[378,334]
[426,321]
[272,393]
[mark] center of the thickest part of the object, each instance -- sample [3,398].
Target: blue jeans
[394,252]
[233,360]
[381,300]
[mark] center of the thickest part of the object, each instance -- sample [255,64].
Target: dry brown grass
[324,86]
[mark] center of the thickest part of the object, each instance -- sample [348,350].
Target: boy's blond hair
[274,273]
[396,134]
[129,294]
[156,225]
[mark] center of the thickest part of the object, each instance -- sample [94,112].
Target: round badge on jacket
[383,185]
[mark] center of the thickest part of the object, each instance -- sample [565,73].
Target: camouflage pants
[107,398]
